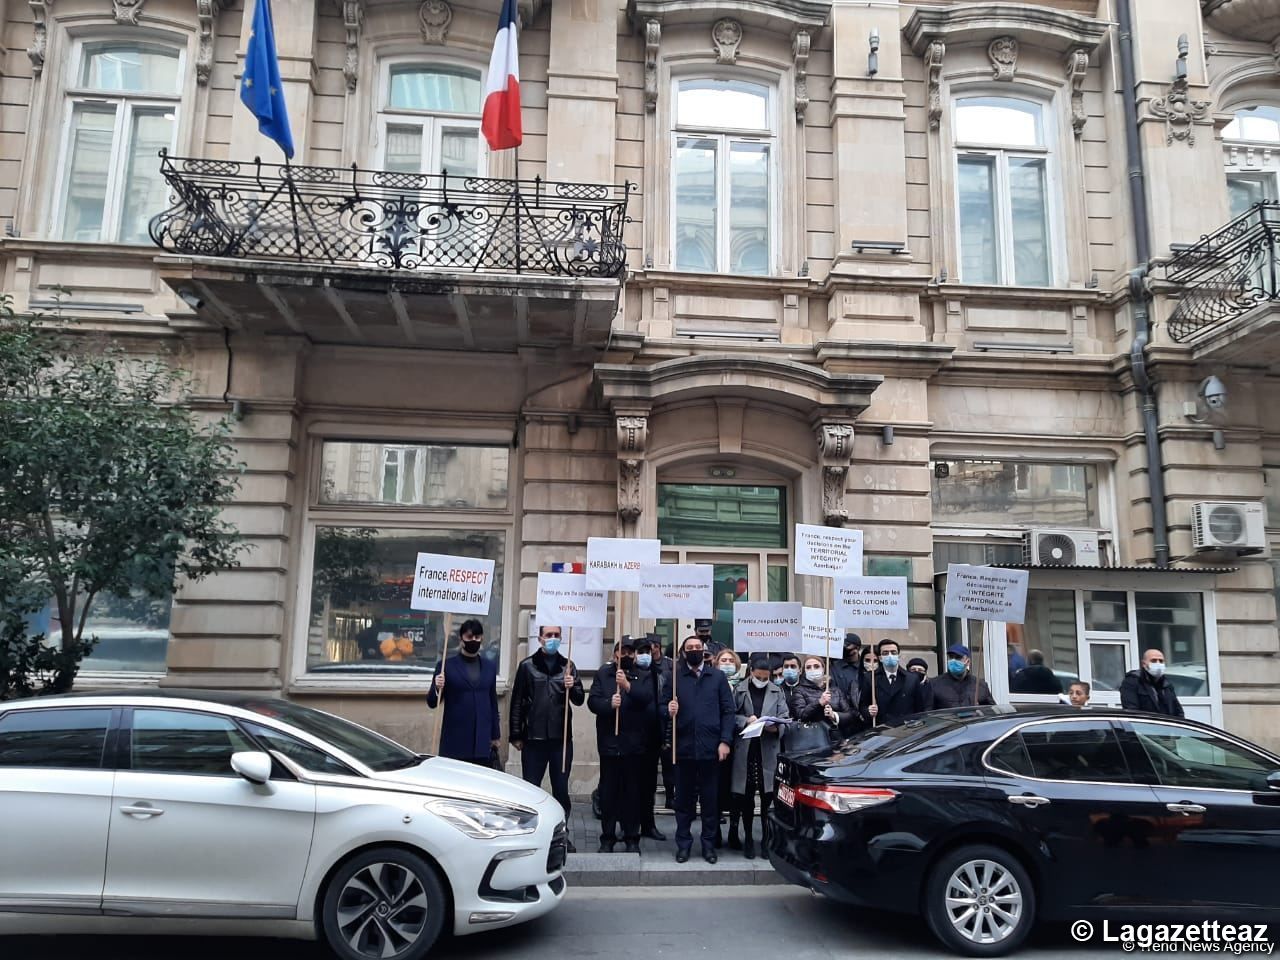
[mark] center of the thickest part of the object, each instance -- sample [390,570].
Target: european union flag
[260,87]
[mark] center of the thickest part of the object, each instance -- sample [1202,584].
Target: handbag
[808,737]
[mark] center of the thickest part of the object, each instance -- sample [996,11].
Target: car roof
[227,698]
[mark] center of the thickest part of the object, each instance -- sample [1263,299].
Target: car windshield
[915,731]
[374,751]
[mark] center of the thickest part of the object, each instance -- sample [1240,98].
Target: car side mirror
[1273,780]
[253,765]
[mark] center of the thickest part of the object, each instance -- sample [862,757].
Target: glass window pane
[1108,663]
[145,190]
[1013,493]
[950,551]
[132,633]
[1106,611]
[778,584]
[997,120]
[53,738]
[373,750]
[695,197]
[729,586]
[303,754]
[1010,756]
[978,239]
[88,171]
[1173,623]
[438,89]
[1043,652]
[1184,757]
[1029,208]
[723,104]
[404,148]
[1260,124]
[460,151]
[712,515]
[175,741]
[1244,191]
[130,68]
[749,208]
[1076,751]
[360,614]
[421,475]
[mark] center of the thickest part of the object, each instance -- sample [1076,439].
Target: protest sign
[565,601]
[452,584]
[816,638]
[985,593]
[678,590]
[828,551]
[767,627]
[877,603]
[613,563]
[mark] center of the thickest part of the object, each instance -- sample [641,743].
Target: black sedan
[987,819]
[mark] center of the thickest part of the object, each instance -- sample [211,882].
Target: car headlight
[485,821]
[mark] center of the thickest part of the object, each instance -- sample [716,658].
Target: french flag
[500,121]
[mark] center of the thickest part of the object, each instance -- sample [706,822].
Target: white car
[214,808]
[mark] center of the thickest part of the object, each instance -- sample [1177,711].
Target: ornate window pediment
[782,16]
[1038,26]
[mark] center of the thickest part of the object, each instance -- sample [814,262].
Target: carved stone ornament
[800,44]
[933,66]
[835,452]
[726,35]
[207,14]
[652,38]
[630,490]
[435,16]
[834,511]
[1003,52]
[1179,112]
[40,35]
[1077,70]
[352,21]
[633,433]
[126,11]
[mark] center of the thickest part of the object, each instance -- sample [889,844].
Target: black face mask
[628,663]
[693,658]
[471,647]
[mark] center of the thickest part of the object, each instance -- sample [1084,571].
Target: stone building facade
[792,261]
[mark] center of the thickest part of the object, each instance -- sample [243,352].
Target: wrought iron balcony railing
[392,221]
[1227,273]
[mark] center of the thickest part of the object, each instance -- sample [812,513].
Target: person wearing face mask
[958,687]
[1148,689]
[819,702]
[790,681]
[622,699]
[652,760]
[538,705]
[846,673]
[897,690]
[728,663]
[663,667]
[471,729]
[920,667]
[755,760]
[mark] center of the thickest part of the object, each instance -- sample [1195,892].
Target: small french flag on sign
[568,568]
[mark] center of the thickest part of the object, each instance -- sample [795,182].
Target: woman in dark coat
[469,683]
[756,760]
[815,700]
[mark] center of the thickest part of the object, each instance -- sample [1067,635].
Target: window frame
[725,137]
[107,757]
[1129,728]
[124,741]
[73,96]
[432,122]
[1111,723]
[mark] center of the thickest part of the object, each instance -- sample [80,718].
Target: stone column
[633,486]
[582,91]
[295,25]
[835,454]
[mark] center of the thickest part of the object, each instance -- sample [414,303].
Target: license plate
[787,795]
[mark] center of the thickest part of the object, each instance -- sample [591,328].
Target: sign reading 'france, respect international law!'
[828,551]
[613,563]
[816,638]
[877,603]
[985,593]
[564,601]
[767,627]
[679,590]
[447,584]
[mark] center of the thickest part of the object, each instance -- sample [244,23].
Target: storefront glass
[132,633]
[415,475]
[714,515]
[1015,493]
[1173,623]
[1043,652]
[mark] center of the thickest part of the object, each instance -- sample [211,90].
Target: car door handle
[1186,809]
[141,810]
[1028,800]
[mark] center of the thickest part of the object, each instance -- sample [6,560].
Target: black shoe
[606,846]
[569,847]
[653,833]
[709,856]
[633,846]
[682,856]
[749,848]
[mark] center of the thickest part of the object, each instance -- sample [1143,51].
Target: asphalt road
[767,923]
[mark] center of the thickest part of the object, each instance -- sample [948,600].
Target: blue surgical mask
[644,661]
[956,668]
[790,674]
[551,645]
[728,669]
[890,661]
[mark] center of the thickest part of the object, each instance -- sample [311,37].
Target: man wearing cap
[920,667]
[847,674]
[702,629]
[623,700]
[650,662]
[958,687]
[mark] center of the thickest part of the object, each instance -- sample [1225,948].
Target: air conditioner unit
[1235,527]
[1061,548]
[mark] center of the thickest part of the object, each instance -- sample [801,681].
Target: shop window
[420,475]
[132,633]
[994,493]
[121,110]
[693,515]
[1173,623]
[1044,654]
[430,119]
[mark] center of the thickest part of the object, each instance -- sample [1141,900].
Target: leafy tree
[108,486]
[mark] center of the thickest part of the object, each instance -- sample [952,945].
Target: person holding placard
[958,687]
[471,728]
[898,693]
[626,710]
[790,681]
[539,727]
[649,661]
[700,705]
[663,667]
[845,673]
[755,760]
[817,701]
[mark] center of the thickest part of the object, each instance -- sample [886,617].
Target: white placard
[767,627]
[816,640]
[878,603]
[613,563]
[565,601]
[588,645]
[985,593]
[447,584]
[678,590]
[828,551]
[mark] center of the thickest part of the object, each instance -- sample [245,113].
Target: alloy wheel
[984,901]
[382,910]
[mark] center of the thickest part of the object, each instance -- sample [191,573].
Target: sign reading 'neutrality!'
[452,584]
[613,563]
[985,593]
[680,590]
[828,551]
[565,601]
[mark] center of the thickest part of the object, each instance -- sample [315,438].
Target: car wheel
[384,904]
[979,901]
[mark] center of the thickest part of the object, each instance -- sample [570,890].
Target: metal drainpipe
[1138,295]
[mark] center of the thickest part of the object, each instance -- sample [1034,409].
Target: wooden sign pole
[564,753]
[444,659]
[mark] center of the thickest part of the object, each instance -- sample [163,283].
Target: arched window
[722,168]
[1002,177]
[430,119]
[121,110]
[1252,142]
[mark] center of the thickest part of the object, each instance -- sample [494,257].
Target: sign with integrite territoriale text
[565,601]
[679,590]
[613,563]
[817,639]
[985,593]
[828,551]
[878,603]
[447,584]
[767,627]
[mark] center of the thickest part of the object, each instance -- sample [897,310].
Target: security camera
[1214,392]
[190,298]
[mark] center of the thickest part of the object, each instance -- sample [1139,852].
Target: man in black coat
[701,709]
[654,670]
[958,687]
[623,700]
[898,693]
[1035,677]
[920,667]
[468,684]
[1148,689]
[847,673]
[538,705]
